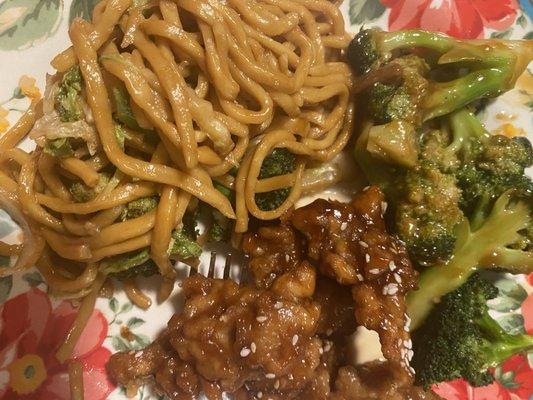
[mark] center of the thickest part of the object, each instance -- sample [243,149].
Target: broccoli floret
[370,48]
[128,265]
[68,96]
[485,247]
[219,227]
[427,213]
[59,148]
[147,269]
[280,162]
[82,193]
[461,340]
[492,67]
[388,102]
[139,207]
[184,246]
[498,166]
[124,114]
[485,165]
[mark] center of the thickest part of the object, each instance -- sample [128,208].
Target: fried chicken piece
[231,336]
[377,381]
[273,250]
[349,243]
[337,308]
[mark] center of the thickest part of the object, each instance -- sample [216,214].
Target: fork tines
[212,270]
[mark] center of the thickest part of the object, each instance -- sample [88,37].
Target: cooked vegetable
[82,193]
[60,148]
[492,67]
[136,208]
[138,263]
[427,213]
[68,97]
[280,162]
[122,266]
[121,135]
[461,340]
[489,164]
[489,246]
[184,246]
[123,112]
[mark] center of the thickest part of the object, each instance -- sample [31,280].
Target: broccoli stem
[502,344]
[464,125]
[414,38]
[446,97]
[473,249]
[517,261]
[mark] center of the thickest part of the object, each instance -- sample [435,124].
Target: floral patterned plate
[32,325]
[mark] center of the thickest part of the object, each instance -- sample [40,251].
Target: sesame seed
[295,340]
[327,347]
[287,258]
[363,244]
[261,318]
[276,384]
[329,332]
[367,257]
[344,225]
[408,343]
[384,206]
[245,352]
[392,266]
[253,347]
[374,271]
[366,188]
[390,289]
[397,278]
[321,350]
[291,377]
[278,305]
[270,376]
[410,354]
[360,277]
[411,369]
[259,395]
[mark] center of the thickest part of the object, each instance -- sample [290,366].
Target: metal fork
[211,272]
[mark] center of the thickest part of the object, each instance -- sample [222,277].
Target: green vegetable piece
[183,246]
[68,96]
[139,207]
[121,135]
[60,148]
[394,143]
[485,247]
[82,193]
[492,67]
[461,340]
[125,262]
[279,162]
[427,213]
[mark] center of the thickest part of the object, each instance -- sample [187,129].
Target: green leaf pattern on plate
[25,22]
[362,11]
[82,9]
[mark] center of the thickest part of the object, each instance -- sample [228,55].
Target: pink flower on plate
[30,333]
[521,376]
[461,390]
[459,18]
